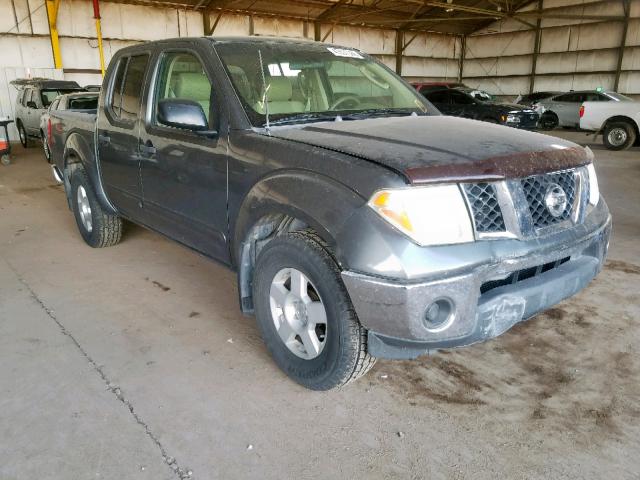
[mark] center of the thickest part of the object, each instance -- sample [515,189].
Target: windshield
[50,95]
[619,97]
[297,82]
[90,102]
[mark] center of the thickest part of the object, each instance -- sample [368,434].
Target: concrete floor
[133,362]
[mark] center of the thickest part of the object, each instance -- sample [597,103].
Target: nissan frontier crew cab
[361,222]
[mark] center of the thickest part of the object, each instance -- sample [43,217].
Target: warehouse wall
[428,56]
[574,54]
[26,47]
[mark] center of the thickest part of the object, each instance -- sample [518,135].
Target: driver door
[184,174]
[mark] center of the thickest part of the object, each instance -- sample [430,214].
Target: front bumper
[528,121]
[394,311]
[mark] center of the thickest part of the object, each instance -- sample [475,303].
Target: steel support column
[399,50]
[626,4]
[536,49]
[52,16]
[96,15]
[463,52]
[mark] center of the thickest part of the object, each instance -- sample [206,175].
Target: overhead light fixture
[449,1]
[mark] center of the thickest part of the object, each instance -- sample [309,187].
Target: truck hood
[508,107]
[433,149]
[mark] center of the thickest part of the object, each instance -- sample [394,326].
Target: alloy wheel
[617,137]
[298,313]
[84,209]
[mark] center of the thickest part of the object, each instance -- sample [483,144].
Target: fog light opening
[439,315]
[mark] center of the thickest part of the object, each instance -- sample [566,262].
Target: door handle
[105,139]
[147,149]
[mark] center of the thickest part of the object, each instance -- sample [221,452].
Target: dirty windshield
[300,82]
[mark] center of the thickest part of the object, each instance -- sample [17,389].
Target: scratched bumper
[487,299]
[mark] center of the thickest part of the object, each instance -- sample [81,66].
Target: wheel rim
[617,137]
[23,135]
[84,209]
[298,313]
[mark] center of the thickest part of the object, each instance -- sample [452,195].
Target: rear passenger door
[184,174]
[118,129]
[567,107]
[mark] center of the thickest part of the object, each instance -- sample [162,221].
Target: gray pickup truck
[360,221]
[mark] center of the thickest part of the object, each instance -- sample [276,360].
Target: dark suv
[479,105]
[360,221]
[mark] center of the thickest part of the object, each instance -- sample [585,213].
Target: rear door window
[127,88]
[596,97]
[567,97]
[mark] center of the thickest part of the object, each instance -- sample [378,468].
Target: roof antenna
[265,99]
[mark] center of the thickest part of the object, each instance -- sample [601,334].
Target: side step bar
[57,174]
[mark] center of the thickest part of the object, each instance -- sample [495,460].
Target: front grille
[535,188]
[520,275]
[483,202]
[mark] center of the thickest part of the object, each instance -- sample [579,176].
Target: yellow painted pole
[96,15]
[52,15]
[100,50]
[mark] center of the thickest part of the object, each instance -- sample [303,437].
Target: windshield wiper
[304,117]
[380,112]
[337,116]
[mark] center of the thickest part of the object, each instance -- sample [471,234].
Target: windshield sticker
[344,52]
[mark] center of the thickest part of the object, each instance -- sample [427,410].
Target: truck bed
[68,123]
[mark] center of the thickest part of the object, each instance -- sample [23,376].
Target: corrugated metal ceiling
[446,16]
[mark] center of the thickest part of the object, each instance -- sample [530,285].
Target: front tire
[549,121]
[305,315]
[97,227]
[619,135]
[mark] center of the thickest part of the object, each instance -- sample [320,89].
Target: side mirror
[31,104]
[184,114]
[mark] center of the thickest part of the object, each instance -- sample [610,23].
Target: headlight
[435,215]
[594,191]
[513,118]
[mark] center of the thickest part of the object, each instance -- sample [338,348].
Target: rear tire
[45,148]
[22,133]
[97,227]
[549,121]
[619,135]
[339,354]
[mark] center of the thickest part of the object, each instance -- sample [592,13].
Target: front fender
[308,198]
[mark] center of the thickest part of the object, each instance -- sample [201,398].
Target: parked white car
[563,110]
[619,122]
